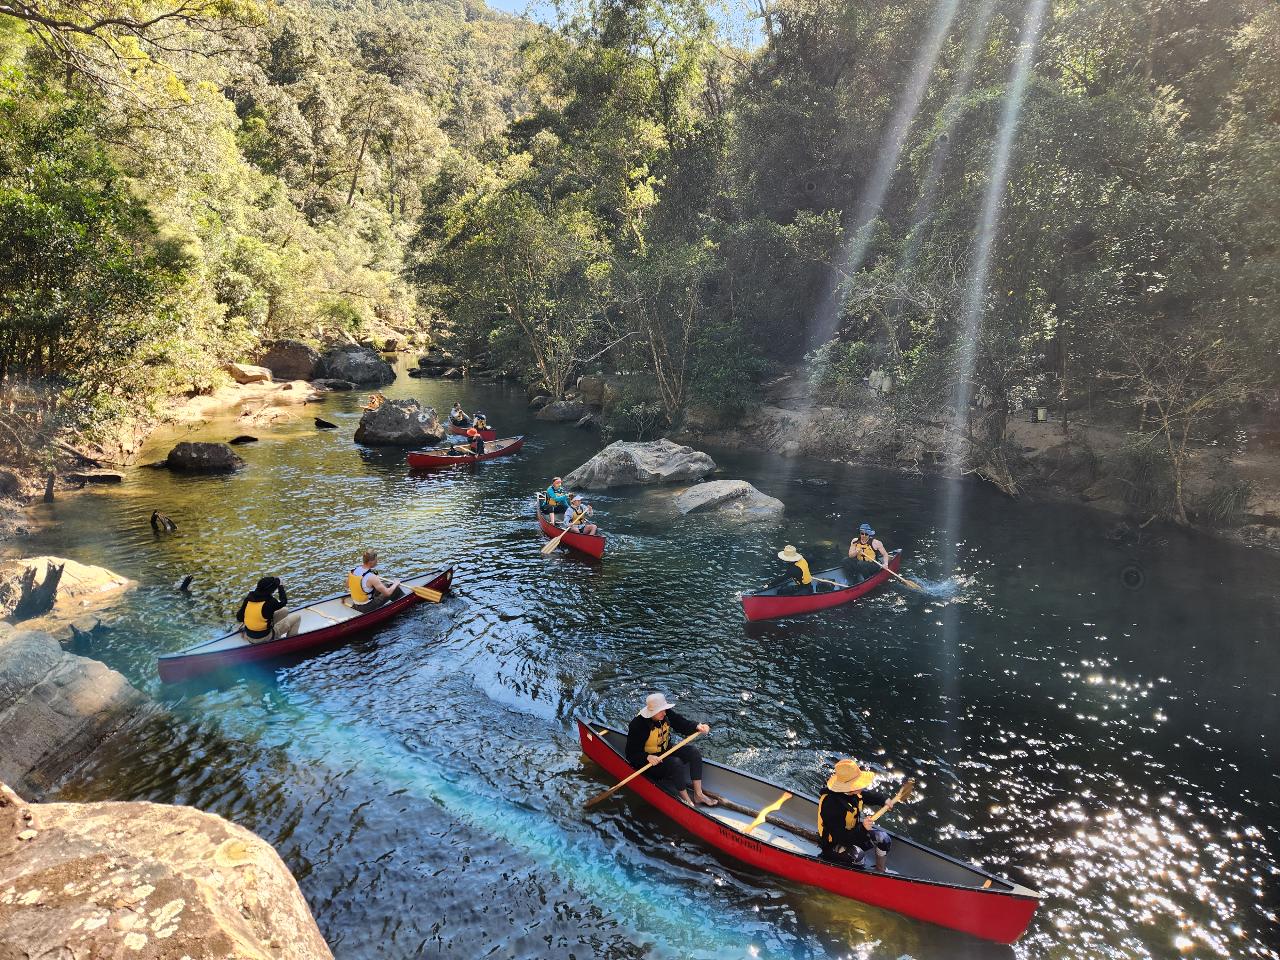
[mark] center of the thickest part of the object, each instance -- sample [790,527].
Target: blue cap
[866,528]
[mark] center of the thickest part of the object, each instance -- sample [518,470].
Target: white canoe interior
[906,857]
[464,450]
[315,616]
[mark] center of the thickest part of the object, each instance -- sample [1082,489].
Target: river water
[1097,720]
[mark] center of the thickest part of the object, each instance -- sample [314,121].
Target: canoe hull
[591,545]
[990,914]
[457,431]
[425,460]
[769,607]
[183,665]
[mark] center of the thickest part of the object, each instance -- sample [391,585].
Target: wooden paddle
[910,583]
[622,783]
[432,596]
[902,794]
[835,583]
[550,547]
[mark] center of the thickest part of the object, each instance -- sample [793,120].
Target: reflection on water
[1102,737]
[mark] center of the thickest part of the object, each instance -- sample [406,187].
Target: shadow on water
[1097,728]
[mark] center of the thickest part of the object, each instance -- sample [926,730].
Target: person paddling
[557,498]
[649,736]
[367,589]
[480,421]
[862,555]
[459,416]
[264,612]
[848,833]
[476,441]
[797,579]
[576,518]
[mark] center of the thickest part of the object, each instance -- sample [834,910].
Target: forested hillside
[719,216]
[181,182]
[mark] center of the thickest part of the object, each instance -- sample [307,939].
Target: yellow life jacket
[851,817]
[579,516]
[355,585]
[659,739]
[254,621]
[805,576]
[864,551]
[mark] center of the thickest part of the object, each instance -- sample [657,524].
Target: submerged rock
[626,462]
[144,880]
[291,360]
[95,476]
[55,708]
[356,364]
[399,423]
[75,588]
[195,457]
[728,496]
[338,385]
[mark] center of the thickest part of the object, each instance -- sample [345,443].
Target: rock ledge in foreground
[734,497]
[144,880]
[625,463]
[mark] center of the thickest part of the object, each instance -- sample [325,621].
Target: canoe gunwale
[590,544]
[955,905]
[195,660]
[430,459]
[768,604]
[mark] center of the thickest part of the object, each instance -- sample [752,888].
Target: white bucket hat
[655,703]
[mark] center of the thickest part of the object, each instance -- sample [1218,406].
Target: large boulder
[197,457]
[654,461]
[563,411]
[399,423]
[144,880]
[734,497]
[291,360]
[248,373]
[55,708]
[62,588]
[355,363]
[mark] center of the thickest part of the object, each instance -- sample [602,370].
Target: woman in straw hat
[848,833]
[648,737]
[797,579]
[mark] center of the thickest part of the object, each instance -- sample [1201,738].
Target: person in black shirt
[848,833]
[649,736]
[264,612]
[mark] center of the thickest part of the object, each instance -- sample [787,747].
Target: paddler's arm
[240,613]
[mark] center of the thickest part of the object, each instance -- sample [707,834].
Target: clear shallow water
[1097,721]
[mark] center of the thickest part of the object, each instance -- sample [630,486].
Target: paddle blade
[431,596]
[905,791]
[551,545]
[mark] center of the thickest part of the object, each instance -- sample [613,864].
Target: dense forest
[183,182]
[971,205]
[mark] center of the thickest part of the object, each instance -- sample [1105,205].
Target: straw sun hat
[655,703]
[849,777]
[789,553]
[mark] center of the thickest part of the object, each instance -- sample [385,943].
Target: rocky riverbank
[144,880]
[1040,462]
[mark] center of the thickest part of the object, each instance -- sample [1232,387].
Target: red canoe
[590,544]
[434,459]
[768,604]
[324,623]
[922,883]
[458,431]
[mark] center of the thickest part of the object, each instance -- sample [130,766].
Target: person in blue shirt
[557,498]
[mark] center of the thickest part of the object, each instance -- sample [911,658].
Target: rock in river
[357,364]
[563,411]
[399,423]
[291,360]
[55,708]
[735,497]
[76,587]
[144,880]
[654,461]
[196,457]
